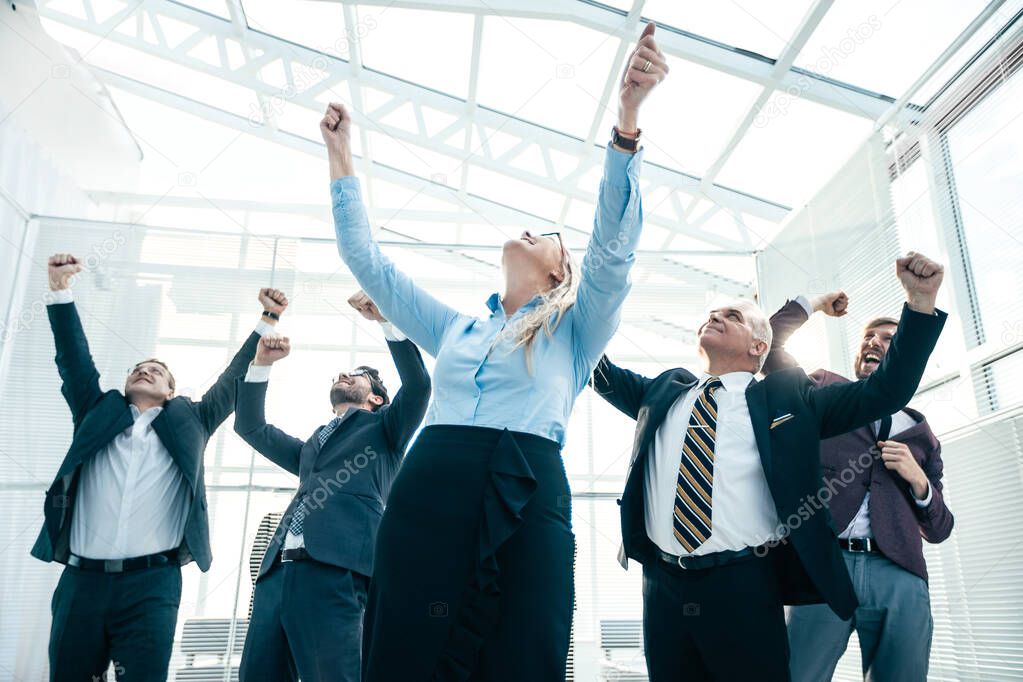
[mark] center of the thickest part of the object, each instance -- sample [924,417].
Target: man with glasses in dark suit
[311,591]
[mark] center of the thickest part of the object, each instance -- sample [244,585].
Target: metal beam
[673,41]
[286,56]
[792,49]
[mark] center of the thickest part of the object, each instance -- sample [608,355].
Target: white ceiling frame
[792,49]
[661,261]
[273,51]
[673,41]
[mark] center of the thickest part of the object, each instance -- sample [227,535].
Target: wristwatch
[629,143]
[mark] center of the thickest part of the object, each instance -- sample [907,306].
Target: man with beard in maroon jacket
[892,500]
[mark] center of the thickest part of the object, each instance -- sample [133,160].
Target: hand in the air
[271,349]
[832,304]
[365,305]
[61,269]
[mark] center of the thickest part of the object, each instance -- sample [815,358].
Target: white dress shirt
[743,509]
[261,373]
[859,527]
[132,498]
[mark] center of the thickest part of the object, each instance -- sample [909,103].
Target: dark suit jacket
[896,522]
[345,483]
[184,427]
[811,568]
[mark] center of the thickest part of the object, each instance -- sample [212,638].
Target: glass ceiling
[504,121]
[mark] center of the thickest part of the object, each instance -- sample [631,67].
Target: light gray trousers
[893,623]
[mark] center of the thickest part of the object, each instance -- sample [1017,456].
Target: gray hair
[758,323]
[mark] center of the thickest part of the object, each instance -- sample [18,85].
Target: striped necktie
[297,522]
[325,432]
[695,488]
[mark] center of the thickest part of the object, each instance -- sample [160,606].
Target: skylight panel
[885,45]
[761,27]
[548,72]
[788,156]
[431,49]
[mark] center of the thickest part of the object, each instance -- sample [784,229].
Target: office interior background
[796,148]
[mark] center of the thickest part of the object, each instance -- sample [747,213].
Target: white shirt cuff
[258,374]
[391,333]
[59,296]
[803,301]
[263,329]
[927,500]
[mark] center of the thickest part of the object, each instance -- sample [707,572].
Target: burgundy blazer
[896,521]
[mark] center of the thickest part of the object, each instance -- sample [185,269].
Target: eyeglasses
[353,373]
[154,369]
[561,243]
[554,235]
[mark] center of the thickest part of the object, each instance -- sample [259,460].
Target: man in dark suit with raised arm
[311,591]
[128,505]
[885,494]
[719,500]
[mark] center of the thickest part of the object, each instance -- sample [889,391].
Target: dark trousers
[724,623]
[473,576]
[306,622]
[127,618]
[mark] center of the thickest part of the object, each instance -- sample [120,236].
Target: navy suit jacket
[184,427]
[790,415]
[344,484]
[896,522]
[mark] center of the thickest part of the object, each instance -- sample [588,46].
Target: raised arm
[604,281]
[218,402]
[418,314]
[406,411]
[78,374]
[791,317]
[250,416]
[622,388]
[842,407]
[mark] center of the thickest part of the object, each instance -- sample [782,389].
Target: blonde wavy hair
[547,315]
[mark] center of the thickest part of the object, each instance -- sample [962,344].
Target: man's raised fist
[271,349]
[273,300]
[61,269]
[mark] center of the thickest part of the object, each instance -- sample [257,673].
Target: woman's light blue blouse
[481,384]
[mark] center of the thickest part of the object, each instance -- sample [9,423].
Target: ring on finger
[646,67]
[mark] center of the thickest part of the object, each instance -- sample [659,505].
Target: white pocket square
[778,421]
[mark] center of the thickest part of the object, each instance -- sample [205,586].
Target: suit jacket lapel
[756,401]
[652,415]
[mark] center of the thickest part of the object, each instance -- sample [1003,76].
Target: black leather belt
[295,554]
[697,563]
[121,565]
[859,545]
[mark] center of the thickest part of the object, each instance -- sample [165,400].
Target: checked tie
[301,511]
[695,488]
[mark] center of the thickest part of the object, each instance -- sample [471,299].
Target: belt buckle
[681,563]
[866,545]
[113,565]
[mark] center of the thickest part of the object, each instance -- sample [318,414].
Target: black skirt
[472,577]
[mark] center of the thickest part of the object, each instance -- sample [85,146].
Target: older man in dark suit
[884,485]
[715,502]
[128,505]
[311,591]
